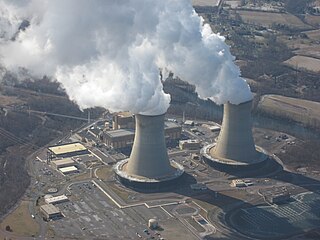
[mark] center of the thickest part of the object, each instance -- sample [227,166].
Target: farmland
[305,63]
[267,19]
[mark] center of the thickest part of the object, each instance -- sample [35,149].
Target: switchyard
[276,221]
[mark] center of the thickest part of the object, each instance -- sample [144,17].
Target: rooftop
[189,141]
[63,161]
[119,133]
[67,148]
[168,124]
[68,169]
[50,209]
[50,200]
[124,114]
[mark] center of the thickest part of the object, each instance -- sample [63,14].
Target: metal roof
[68,169]
[120,133]
[56,199]
[68,148]
[50,209]
[63,161]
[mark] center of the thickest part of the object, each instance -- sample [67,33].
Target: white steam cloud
[108,53]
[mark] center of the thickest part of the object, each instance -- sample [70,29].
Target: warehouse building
[123,120]
[61,163]
[68,170]
[189,144]
[50,211]
[56,200]
[66,150]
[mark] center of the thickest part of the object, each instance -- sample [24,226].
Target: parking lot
[89,213]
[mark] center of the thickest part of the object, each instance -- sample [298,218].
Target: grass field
[302,62]
[266,19]
[21,222]
[105,172]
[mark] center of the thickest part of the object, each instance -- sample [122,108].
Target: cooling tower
[149,161]
[235,144]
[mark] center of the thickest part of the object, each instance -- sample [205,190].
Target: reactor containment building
[148,167]
[235,147]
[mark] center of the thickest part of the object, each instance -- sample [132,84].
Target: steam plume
[108,53]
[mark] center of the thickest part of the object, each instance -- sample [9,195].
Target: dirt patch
[302,157]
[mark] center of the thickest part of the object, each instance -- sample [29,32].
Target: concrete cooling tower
[235,145]
[148,165]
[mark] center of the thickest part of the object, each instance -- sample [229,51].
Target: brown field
[313,20]
[304,63]
[21,222]
[304,47]
[211,3]
[299,110]
[312,51]
[314,34]
[266,19]
[9,100]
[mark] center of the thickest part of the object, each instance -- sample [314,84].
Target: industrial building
[189,123]
[69,170]
[189,144]
[50,211]
[61,163]
[212,128]
[149,166]
[238,183]
[235,145]
[276,195]
[118,139]
[123,120]
[123,138]
[56,200]
[66,150]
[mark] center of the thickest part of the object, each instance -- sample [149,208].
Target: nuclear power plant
[148,166]
[235,146]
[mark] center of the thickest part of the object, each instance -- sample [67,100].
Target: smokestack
[235,144]
[149,161]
